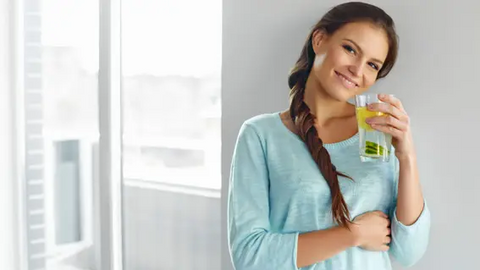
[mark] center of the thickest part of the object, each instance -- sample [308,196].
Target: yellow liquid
[362,114]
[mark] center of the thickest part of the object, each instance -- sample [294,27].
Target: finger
[384,248]
[380,213]
[388,240]
[388,109]
[387,121]
[389,231]
[392,100]
[396,133]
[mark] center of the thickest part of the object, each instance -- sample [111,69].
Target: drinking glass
[374,145]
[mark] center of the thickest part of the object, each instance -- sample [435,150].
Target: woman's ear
[319,37]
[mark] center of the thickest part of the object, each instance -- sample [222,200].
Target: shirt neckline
[341,144]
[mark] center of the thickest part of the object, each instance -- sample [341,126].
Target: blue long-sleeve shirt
[277,192]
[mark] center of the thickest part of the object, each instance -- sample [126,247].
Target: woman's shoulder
[262,123]
[263,118]
[268,128]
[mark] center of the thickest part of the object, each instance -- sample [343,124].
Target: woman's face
[347,63]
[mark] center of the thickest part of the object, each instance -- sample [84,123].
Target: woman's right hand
[372,231]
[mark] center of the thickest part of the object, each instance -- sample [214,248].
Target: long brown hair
[299,111]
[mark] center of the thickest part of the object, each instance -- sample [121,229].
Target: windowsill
[201,177]
[65,252]
[197,190]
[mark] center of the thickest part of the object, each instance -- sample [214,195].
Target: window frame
[107,185]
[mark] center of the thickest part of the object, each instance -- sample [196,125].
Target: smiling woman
[353,57]
[300,197]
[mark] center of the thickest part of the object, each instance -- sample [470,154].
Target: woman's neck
[324,107]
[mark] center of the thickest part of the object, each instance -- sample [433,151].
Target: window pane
[61,128]
[171,63]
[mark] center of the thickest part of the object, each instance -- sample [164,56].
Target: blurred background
[171,111]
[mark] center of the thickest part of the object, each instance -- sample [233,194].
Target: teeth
[346,80]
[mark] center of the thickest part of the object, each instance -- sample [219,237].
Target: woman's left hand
[396,123]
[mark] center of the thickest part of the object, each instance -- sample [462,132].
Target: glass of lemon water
[374,145]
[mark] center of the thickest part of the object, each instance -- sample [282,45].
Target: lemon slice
[362,114]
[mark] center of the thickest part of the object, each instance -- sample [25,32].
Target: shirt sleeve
[409,243]
[252,244]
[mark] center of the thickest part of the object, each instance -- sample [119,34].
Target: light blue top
[277,191]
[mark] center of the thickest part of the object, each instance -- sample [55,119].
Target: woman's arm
[410,197]
[252,243]
[411,232]
[369,231]
[318,246]
[410,215]
[396,122]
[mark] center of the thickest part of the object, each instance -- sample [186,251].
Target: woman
[299,195]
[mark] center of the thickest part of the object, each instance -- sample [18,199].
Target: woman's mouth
[346,81]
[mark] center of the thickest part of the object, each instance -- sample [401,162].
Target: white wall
[435,77]
[7,215]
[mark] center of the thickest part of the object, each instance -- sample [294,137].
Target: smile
[347,82]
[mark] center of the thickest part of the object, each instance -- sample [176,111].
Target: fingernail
[381,96]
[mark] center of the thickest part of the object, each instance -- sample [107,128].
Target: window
[171,88]
[171,115]
[171,141]
[60,119]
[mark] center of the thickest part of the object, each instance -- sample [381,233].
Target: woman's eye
[374,66]
[349,48]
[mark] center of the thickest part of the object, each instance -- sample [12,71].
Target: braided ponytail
[304,122]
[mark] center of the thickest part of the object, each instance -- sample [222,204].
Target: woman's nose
[356,69]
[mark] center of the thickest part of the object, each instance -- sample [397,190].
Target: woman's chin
[342,95]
